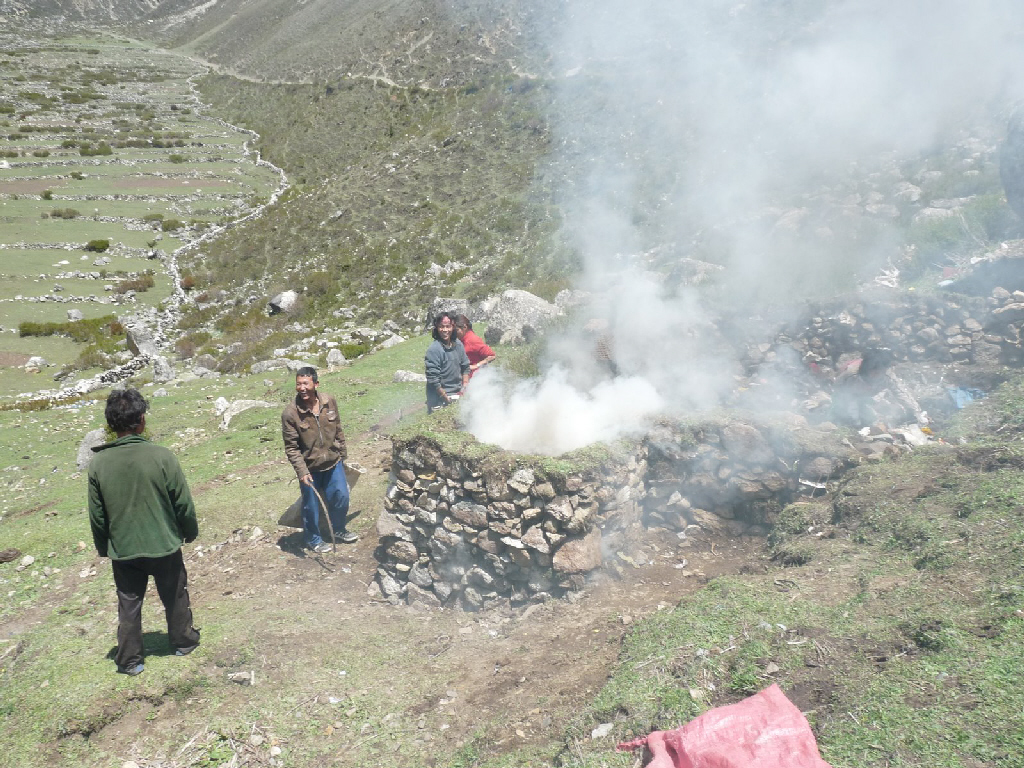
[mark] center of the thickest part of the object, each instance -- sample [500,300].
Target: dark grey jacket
[313,442]
[445,367]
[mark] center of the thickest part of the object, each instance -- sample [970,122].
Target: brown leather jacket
[313,442]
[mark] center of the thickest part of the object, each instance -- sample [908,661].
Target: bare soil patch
[12,359]
[30,186]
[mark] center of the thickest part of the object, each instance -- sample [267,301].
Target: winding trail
[166,319]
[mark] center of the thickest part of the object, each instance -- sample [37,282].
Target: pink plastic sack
[763,731]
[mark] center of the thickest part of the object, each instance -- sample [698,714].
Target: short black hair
[437,322]
[125,408]
[308,370]
[461,321]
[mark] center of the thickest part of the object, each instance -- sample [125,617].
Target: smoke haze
[725,132]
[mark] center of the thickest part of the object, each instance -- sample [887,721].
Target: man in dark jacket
[315,445]
[446,364]
[140,511]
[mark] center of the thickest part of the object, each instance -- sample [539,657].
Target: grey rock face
[269,365]
[163,370]
[283,302]
[335,358]
[518,317]
[439,305]
[142,340]
[579,555]
[91,440]
[75,315]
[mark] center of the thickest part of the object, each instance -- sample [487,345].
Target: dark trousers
[131,578]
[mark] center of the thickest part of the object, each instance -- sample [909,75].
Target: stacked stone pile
[978,324]
[476,533]
[914,328]
[473,533]
[734,477]
[1005,324]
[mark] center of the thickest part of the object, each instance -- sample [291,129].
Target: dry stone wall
[943,329]
[474,533]
[478,533]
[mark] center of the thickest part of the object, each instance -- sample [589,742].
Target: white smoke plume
[719,131]
[550,416]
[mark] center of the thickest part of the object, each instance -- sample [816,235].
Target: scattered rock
[401,377]
[93,439]
[283,302]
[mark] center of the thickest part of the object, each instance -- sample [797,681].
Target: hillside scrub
[82,331]
[484,216]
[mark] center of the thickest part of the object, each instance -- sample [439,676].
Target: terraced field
[108,166]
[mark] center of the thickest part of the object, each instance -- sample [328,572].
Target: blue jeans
[333,488]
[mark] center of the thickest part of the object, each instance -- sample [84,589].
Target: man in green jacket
[140,511]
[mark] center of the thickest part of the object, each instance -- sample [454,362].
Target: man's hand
[306,480]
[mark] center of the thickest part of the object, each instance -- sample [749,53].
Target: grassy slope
[899,635]
[438,168]
[239,480]
[407,179]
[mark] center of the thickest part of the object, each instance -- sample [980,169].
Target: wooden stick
[323,505]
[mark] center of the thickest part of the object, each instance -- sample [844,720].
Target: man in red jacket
[477,351]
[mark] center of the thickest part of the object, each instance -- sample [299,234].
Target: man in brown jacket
[315,445]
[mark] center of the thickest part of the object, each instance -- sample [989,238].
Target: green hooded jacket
[139,501]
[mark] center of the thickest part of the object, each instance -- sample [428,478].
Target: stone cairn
[479,533]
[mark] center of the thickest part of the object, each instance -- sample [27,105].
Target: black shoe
[322,548]
[347,537]
[186,651]
[132,670]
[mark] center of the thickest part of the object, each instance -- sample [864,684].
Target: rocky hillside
[467,147]
[423,42]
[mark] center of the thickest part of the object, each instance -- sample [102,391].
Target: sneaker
[133,670]
[347,537]
[186,651]
[322,548]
